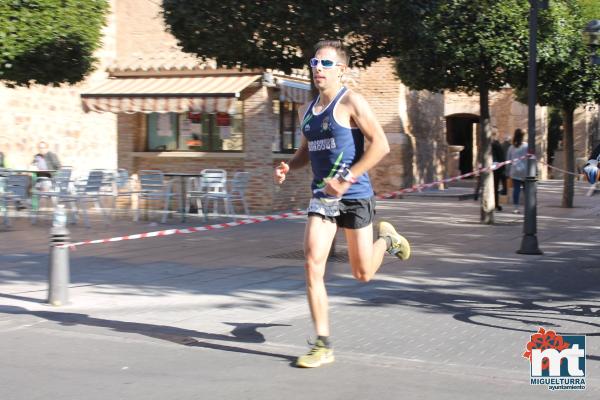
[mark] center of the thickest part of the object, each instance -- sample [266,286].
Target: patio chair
[50,188]
[4,196]
[236,192]
[121,186]
[88,192]
[13,189]
[154,187]
[212,181]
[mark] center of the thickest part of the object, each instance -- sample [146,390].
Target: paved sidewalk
[223,314]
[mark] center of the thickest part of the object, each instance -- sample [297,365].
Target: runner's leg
[365,255]
[318,237]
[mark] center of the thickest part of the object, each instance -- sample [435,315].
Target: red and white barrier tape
[417,188]
[561,170]
[275,217]
[183,231]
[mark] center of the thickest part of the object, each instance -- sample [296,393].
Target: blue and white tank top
[333,147]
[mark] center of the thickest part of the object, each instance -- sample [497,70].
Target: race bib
[324,206]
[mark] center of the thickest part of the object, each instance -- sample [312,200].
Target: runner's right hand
[280,172]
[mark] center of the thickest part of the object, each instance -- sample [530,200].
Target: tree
[590,9]
[566,77]
[473,46]
[49,41]
[281,35]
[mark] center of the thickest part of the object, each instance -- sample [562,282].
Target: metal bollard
[58,269]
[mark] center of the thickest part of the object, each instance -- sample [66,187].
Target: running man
[334,127]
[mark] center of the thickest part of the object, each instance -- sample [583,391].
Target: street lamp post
[591,34]
[529,243]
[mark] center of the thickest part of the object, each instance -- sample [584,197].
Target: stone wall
[141,29]
[506,114]
[380,87]
[426,125]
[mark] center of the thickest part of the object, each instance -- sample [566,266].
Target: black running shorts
[354,213]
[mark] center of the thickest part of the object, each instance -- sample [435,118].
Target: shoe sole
[327,360]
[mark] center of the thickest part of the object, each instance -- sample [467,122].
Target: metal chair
[236,192]
[4,196]
[121,186]
[88,192]
[212,182]
[154,187]
[13,189]
[50,188]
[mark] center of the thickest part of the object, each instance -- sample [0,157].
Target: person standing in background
[505,146]
[499,173]
[518,169]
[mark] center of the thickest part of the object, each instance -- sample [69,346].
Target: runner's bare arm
[300,158]
[364,117]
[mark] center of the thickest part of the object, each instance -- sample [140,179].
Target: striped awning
[167,94]
[295,92]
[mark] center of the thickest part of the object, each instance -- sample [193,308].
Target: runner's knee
[314,272]
[361,276]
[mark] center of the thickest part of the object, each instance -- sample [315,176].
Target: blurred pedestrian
[505,146]
[591,170]
[499,173]
[518,169]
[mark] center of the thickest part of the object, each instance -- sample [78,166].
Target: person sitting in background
[5,161]
[45,159]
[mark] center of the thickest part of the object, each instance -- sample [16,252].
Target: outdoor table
[182,188]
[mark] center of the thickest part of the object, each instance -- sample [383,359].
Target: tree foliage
[473,46]
[49,41]
[281,35]
[566,77]
[590,9]
[461,44]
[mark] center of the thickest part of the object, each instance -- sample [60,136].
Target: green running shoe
[400,246]
[316,357]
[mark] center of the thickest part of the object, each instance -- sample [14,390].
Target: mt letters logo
[556,361]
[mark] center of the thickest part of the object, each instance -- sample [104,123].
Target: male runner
[334,126]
